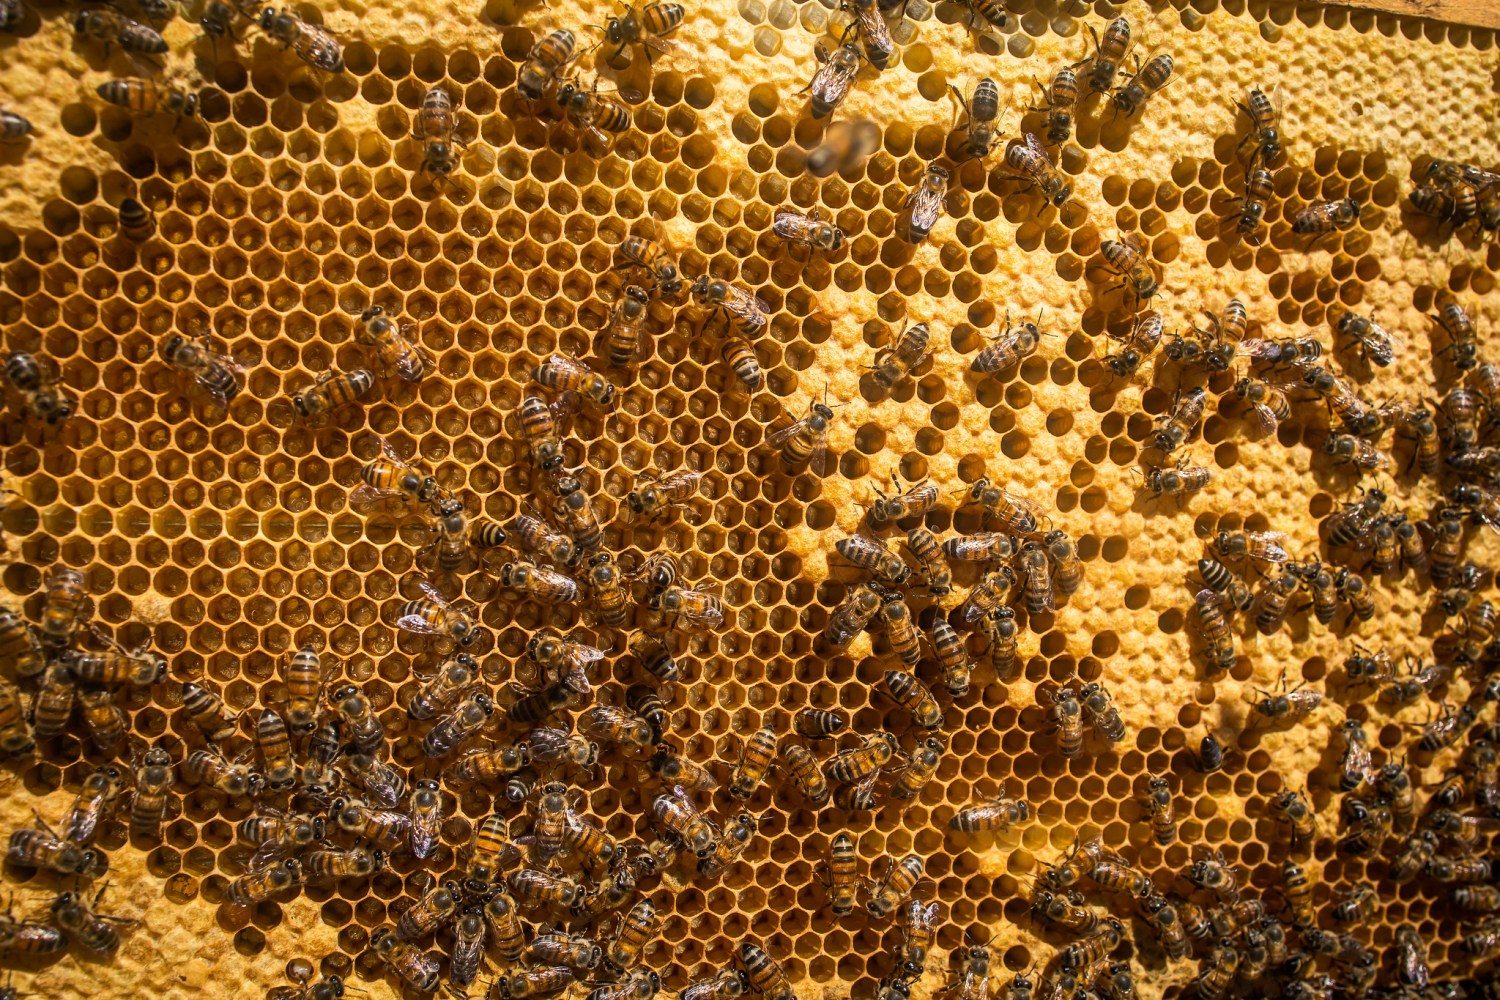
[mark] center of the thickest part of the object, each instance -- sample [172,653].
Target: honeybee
[1284,704]
[318,777]
[840,874]
[95,931]
[894,363]
[443,687]
[1178,425]
[1324,217]
[849,766]
[646,27]
[1268,404]
[539,583]
[260,884]
[917,769]
[380,780]
[984,546]
[414,967]
[662,495]
[1128,258]
[312,43]
[1032,561]
[1163,918]
[360,725]
[1108,55]
[980,117]
[104,24]
[1139,88]
[24,937]
[1017,514]
[331,391]
[726,985]
[912,695]
[1000,813]
[1293,807]
[533,535]
[145,97]
[1058,99]
[984,598]
[434,908]
[953,657]
[435,128]
[743,313]
[1375,344]
[851,616]
[531,983]
[804,771]
[576,951]
[608,724]
[148,803]
[874,34]
[104,719]
[546,60]
[408,359]
[208,712]
[634,931]
[924,205]
[1264,134]
[1351,589]
[50,708]
[575,511]
[385,829]
[804,444]
[677,815]
[595,115]
[208,767]
[433,615]
[336,863]
[1066,716]
[1101,713]
[830,84]
[1270,605]
[275,746]
[697,608]
[1454,321]
[20,646]
[819,724]
[889,891]
[117,666]
[92,805]
[755,760]
[901,634]
[462,722]
[1266,548]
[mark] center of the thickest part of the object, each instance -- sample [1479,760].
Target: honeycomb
[225,539]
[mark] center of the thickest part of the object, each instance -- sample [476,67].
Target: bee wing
[1036,144]
[581,654]
[416,623]
[432,594]
[267,855]
[365,497]
[778,438]
[548,744]
[1265,419]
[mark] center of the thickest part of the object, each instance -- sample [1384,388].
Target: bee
[635,930]
[92,805]
[1040,596]
[433,615]
[804,770]
[1164,919]
[468,947]
[612,725]
[24,937]
[361,725]
[539,540]
[851,616]
[543,585]
[808,231]
[697,608]
[395,351]
[1179,481]
[1270,605]
[214,373]
[892,889]
[386,829]
[595,115]
[924,205]
[115,667]
[208,767]
[390,477]
[436,907]
[14,127]
[1066,716]
[745,314]
[208,712]
[104,24]
[530,983]
[1264,548]
[20,646]
[999,813]
[51,706]
[1179,423]
[260,884]
[380,780]
[576,512]
[462,722]
[439,691]
[1065,909]
[490,852]
[539,424]
[804,444]
[43,848]
[1146,81]
[312,43]
[1294,809]
[412,966]
[917,769]
[901,634]
[1058,99]
[984,546]
[1483,943]
[336,863]
[894,363]
[1265,132]
[727,985]
[829,87]
[911,694]
[874,34]
[95,931]
[952,656]
[1460,410]
[1375,344]
[1101,713]
[331,391]
[1477,898]
[64,602]
[480,766]
[755,760]
[646,27]
[740,357]
[148,803]
[841,874]
[677,815]
[980,117]
[1029,160]
[1355,765]
[1267,403]
[276,834]
[1209,622]
[104,719]
[1351,589]
[576,951]
[849,766]
[1108,55]
[1324,217]
[1455,323]
[145,97]
[546,60]
[1355,451]
[662,495]
[1139,345]
[1226,582]
[1367,828]
[435,127]
[1466,869]
[1445,730]
[818,723]
[1358,904]
[275,745]
[1091,948]
[1127,257]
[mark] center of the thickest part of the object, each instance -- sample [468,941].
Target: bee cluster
[503,657]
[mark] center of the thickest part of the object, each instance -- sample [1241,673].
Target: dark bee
[1324,217]
[1177,425]
[869,24]
[1101,713]
[819,724]
[106,25]
[1264,134]
[414,967]
[546,60]
[871,555]
[36,383]
[1179,481]
[1270,606]
[645,27]
[1059,97]
[1375,344]
[830,84]
[1454,321]
[312,43]
[1128,258]
[980,118]
[1259,190]
[1066,716]
[1147,80]
[77,917]
[1109,53]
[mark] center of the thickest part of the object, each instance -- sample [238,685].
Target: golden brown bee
[901,633]
[493,764]
[808,231]
[608,724]
[576,951]
[528,984]
[914,502]
[391,478]
[53,703]
[1445,730]
[208,712]
[845,145]
[1128,258]
[740,357]
[891,890]
[260,884]
[662,495]
[985,546]
[409,360]
[1158,802]
[1477,898]
[1268,404]
[96,932]
[435,127]
[546,60]
[1032,561]
[849,766]
[1460,410]
[436,907]
[1294,809]
[275,745]
[634,932]
[539,424]
[489,853]
[912,695]
[383,828]
[20,646]
[1264,133]
[1284,704]
[336,863]
[312,43]
[874,34]
[1324,217]
[23,937]
[1459,328]
[686,605]
[677,815]
[1146,81]
[1068,573]
[830,84]
[1018,515]
[985,598]
[533,535]
[104,24]
[452,678]
[1179,481]
[745,314]
[1066,716]
[43,848]
[539,583]
[1375,344]
[332,390]
[595,115]
[433,615]
[755,760]
[104,719]
[411,965]
[851,616]
[64,602]
[918,934]
[1163,918]
[1058,99]
[871,555]
[357,719]
[148,803]
[147,97]
[646,27]
[804,444]
[1179,424]
[117,666]
[208,767]
[917,769]
[936,575]
[727,985]
[462,722]
[1352,590]
[610,605]
[424,817]
[924,205]
[819,724]
[1108,55]
[1355,764]
[623,338]
[980,118]
[894,363]
[997,814]
[92,805]
[804,771]
[1265,548]
[953,657]
[840,874]
[1358,904]
[213,373]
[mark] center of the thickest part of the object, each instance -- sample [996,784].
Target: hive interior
[227,541]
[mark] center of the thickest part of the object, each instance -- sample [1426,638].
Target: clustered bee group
[331,783]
